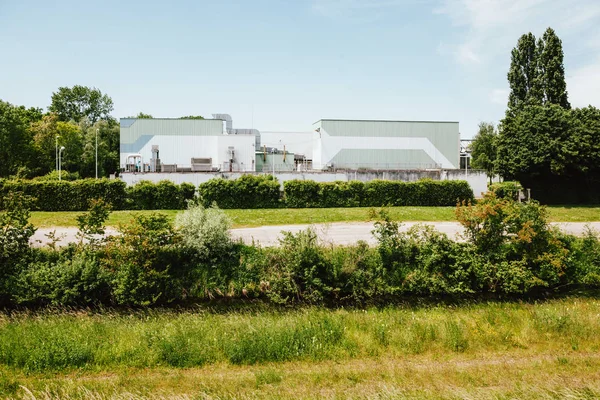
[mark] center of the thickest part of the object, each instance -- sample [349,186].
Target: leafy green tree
[16,149]
[536,141]
[483,149]
[108,149]
[78,102]
[551,70]
[45,140]
[523,74]
[192,117]
[141,115]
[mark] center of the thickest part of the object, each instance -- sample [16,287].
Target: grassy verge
[252,218]
[489,350]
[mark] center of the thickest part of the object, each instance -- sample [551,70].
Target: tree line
[541,141]
[29,137]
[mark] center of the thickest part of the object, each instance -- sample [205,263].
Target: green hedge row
[76,195]
[377,193]
[66,195]
[248,191]
[164,195]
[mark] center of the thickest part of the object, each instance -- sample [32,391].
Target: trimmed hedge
[164,195]
[66,196]
[248,191]
[377,193]
[76,195]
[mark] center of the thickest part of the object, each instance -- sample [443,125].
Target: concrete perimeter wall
[477,179]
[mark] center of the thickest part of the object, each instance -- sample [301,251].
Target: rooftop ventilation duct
[227,119]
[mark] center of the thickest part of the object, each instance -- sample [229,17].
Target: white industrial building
[187,145]
[385,145]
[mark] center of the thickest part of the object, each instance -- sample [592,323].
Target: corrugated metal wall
[420,145]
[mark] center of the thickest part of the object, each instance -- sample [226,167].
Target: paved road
[338,233]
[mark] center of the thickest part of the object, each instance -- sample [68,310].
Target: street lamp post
[56,153]
[59,162]
[273,159]
[97,153]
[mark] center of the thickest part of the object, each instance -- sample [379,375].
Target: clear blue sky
[283,64]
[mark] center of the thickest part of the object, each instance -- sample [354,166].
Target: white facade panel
[180,150]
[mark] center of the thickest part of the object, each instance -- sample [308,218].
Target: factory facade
[213,145]
[187,145]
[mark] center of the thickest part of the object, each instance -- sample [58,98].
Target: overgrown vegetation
[510,250]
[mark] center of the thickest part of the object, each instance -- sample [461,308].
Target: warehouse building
[385,145]
[187,145]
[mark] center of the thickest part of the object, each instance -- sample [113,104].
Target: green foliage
[423,261]
[542,143]
[144,262]
[92,223]
[164,195]
[206,230]
[16,140]
[506,189]
[67,196]
[71,279]
[551,70]
[516,248]
[142,115]
[553,151]
[537,73]
[53,176]
[484,149]
[248,191]
[375,193]
[523,74]
[15,232]
[78,102]
[301,270]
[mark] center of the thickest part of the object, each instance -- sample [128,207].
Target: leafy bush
[518,248]
[375,193]
[248,191]
[145,262]
[215,257]
[507,189]
[75,279]
[15,232]
[423,261]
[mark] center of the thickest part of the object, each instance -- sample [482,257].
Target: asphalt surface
[336,233]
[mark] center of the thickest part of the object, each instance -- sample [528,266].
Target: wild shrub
[361,274]
[300,271]
[92,222]
[519,250]
[74,279]
[15,232]
[145,262]
[205,232]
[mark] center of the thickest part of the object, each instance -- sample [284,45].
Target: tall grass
[48,342]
